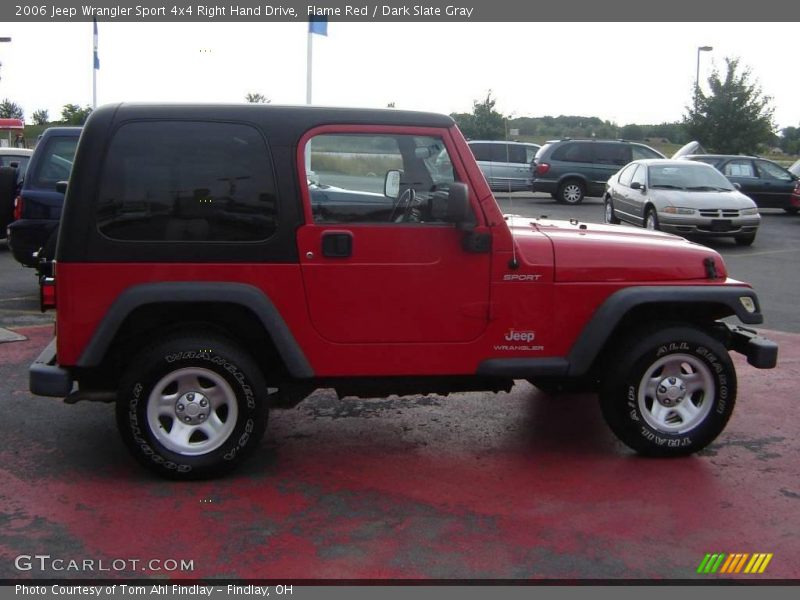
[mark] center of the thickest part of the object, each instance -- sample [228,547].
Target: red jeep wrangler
[209,255]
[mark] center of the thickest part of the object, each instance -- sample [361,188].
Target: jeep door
[379,269]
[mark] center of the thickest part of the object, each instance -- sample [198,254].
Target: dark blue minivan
[37,209]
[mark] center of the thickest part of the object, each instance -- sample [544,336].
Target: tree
[41,116]
[735,117]
[484,122]
[256,98]
[72,114]
[11,110]
[790,140]
[632,132]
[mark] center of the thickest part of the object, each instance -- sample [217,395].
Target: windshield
[693,177]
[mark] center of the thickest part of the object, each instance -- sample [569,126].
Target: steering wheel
[408,197]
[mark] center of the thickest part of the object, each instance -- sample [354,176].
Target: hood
[699,200]
[689,149]
[587,252]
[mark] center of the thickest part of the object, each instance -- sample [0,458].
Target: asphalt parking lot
[469,486]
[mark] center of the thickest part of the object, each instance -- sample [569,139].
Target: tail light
[542,168]
[796,195]
[47,293]
[19,205]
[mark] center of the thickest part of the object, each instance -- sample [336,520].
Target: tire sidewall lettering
[136,410]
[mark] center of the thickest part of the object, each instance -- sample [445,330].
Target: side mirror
[61,187]
[391,184]
[638,186]
[737,185]
[452,207]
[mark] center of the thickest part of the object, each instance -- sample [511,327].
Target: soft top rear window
[181,181]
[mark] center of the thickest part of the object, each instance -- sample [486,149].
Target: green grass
[362,164]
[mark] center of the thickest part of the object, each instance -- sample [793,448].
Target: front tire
[745,240]
[192,407]
[669,393]
[651,220]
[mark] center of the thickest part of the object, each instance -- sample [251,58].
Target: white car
[683,197]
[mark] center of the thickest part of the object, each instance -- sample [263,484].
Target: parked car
[570,170]
[18,156]
[506,165]
[197,268]
[766,182]
[681,197]
[37,209]
[13,163]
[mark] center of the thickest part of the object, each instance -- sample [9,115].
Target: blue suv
[37,209]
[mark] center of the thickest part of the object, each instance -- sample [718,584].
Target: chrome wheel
[192,411]
[676,393]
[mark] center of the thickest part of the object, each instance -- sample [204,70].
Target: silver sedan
[689,199]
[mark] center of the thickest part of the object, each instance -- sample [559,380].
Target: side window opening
[350,171]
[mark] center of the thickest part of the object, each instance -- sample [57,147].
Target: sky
[621,72]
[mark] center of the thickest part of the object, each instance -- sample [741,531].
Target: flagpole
[95,63]
[308,67]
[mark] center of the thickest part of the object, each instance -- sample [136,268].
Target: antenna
[514,263]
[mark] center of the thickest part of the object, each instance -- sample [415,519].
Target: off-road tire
[641,397]
[182,373]
[571,192]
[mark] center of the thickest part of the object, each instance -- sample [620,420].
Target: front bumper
[760,352]
[706,226]
[46,378]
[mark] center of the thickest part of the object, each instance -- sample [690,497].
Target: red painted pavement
[477,486]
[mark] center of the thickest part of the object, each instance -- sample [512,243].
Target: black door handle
[337,244]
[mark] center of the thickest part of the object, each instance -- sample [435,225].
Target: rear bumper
[760,352]
[46,378]
[26,236]
[548,186]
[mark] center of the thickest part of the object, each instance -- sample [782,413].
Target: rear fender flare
[243,295]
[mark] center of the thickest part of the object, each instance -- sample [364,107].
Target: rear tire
[792,210]
[192,406]
[571,192]
[669,392]
[745,240]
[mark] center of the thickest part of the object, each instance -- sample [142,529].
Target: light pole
[697,75]
[4,39]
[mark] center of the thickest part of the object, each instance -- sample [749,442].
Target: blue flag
[94,43]
[318,25]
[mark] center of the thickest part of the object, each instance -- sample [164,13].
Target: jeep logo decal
[520,336]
